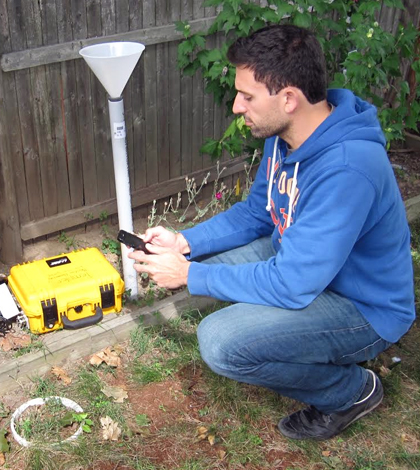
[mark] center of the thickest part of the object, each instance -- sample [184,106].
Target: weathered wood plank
[36,56]
[57,153]
[140,197]
[162,83]
[122,26]
[99,103]
[138,158]
[174,90]
[70,116]
[150,99]
[198,106]
[40,13]
[107,167]
[84,109]
[10,245]
[41,113]
[186,103]
[18,14]
[11,158]
[209,104]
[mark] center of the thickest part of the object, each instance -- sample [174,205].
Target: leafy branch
[360,56]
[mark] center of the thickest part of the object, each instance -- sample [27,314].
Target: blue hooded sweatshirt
[337,221]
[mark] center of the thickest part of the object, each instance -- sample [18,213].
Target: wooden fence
[55,151]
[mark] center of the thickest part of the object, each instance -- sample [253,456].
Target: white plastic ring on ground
[38,402]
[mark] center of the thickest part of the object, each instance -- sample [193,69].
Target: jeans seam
[363,349]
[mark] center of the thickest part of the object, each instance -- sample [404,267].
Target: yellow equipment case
[69,291]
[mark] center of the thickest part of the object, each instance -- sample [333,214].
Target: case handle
[83,322]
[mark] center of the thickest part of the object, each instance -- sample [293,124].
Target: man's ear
[290,99]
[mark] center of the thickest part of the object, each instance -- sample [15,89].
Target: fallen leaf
[202,430]
[14,341]
[21,341]
[5,344]
[326,453]
[221,453]
[117,393]
[61,374]
[118,349]
[106,355]
[110,429]
[212,439]
[2,459]
[95,360]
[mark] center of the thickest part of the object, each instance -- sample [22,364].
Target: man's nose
[238,105]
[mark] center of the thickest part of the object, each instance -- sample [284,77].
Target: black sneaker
[311,423]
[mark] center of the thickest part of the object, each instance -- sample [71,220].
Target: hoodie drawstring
[270,184]
[270,181]
[292,195]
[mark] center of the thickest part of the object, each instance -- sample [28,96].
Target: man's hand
[165,266]
[160,236]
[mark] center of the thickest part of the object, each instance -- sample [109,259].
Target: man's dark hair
[283,55]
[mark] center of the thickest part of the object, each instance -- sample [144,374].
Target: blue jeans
[310,354]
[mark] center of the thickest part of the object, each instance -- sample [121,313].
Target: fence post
[11,250]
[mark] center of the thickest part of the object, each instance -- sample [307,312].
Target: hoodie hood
[352,119]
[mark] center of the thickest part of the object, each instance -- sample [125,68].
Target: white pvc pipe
[122,186]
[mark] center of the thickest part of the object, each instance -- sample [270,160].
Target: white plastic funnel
[113,63]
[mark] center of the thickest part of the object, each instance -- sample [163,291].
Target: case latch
[107,296]
[49,308]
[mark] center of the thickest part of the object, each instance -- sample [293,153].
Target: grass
[172,395]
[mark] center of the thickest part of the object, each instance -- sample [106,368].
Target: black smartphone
[132,241]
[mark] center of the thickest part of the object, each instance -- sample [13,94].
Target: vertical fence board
[17,16]
[174,89]
[138,179]
[108,28]
[103,153]
[162,96]
[209,105]
[71,136]
[84,110]
[50,36]
[198,106]
[12,140]
[10,243]
[121,26]
[186,103]
[42,111]
[150,72]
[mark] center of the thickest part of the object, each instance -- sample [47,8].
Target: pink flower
[218,196]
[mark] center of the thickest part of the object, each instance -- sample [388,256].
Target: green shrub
[360,55]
